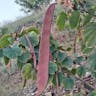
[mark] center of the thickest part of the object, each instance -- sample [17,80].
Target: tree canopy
[29,5]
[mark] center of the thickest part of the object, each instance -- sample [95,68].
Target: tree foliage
[30,5]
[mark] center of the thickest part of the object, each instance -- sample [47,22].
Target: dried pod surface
[42,75]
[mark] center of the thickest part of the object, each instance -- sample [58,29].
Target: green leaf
[52,68]
[26,71]
[54,80]
[69,49]
[61,56]
[87,19]
[81,71]
[55,54]
[20,65]
[33,39]
[1,53]
[60,78]
[3,69]
[54,42]
[28,30]
[52,49]
[67,62]
[12,53]
[68,83]
[78,94]
[5,40]
[86,50]
[80,59]
[74,19]
[93,93]
[73,71]
[90,34]
[61,19]
[93,74]
[24,57]
[6,60]
[50,79]
[92,64]
[11,40]
[33,74]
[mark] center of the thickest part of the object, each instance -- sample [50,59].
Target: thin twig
[32,51]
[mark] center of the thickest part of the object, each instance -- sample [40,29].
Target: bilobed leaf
[61,19]
[67,62]
[87,50]
[11,40]
[81,71]
[90,34]
[54,42]
[79,59]
[12,53]
[5,40]
[68,83]
[28,30]
[74,19]
[52,49]
[33,39]
[52,68]
[61,56]
[92,61]
[26,71]
[92,64]
[24,57]
[87,19]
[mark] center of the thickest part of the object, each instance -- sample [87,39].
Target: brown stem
[24,83]
[32,51]
[79,34]
[75,44]
[57,84]
[86,85]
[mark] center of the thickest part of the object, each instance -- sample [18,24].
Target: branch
[32,51]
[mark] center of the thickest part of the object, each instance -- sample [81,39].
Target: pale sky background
[9,11]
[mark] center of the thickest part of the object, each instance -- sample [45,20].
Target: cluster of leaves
[14,47]
[62,70]
[77,20]
[19,50]
[82,21]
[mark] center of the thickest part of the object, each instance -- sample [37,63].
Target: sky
[9,11]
